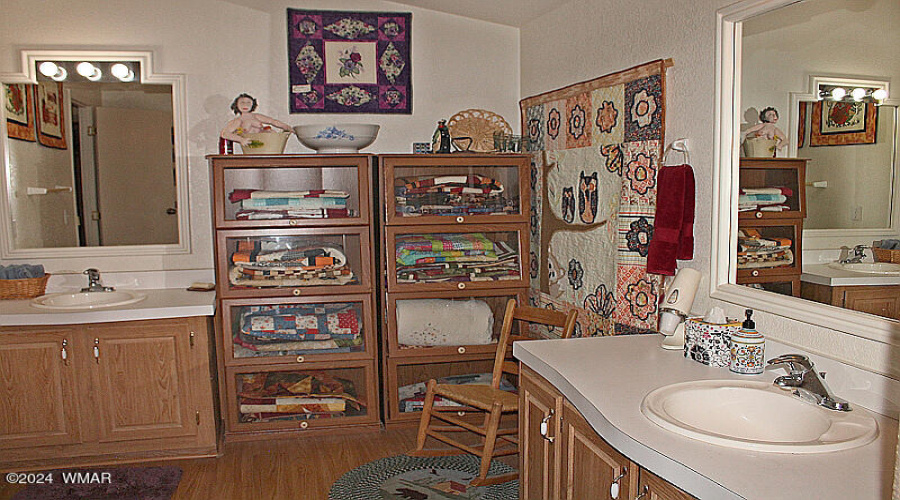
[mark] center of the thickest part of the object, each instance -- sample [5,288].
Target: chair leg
[425,420]
[490,441]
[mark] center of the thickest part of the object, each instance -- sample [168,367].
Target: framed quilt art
[19,111]
[839,123]
[51,128]
[349,62]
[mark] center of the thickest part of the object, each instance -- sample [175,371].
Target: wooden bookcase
[443,218]
[766,173]
[250,366]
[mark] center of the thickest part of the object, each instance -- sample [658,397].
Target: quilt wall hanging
[349,62]
[596,149]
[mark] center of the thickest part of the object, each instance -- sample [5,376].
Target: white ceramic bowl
[337,137]
[266,143]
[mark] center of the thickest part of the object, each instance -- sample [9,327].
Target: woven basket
[886,255]
[27,288]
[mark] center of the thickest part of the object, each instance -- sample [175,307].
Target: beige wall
[225,47]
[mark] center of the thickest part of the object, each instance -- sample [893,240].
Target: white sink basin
[87,300]
[887,268]
[755,415]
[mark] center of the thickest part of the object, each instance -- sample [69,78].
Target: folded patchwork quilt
[302,322]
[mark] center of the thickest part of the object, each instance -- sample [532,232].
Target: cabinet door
[590,467]
[538,459]
[653,487]
[38,391]
[141,378]
[881,301]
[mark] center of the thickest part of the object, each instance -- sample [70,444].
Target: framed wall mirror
[759,65]
[94,157]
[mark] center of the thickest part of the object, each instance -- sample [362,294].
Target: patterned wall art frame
[841,123]
[349,62]
[49,115]
[596,148]
[19,102]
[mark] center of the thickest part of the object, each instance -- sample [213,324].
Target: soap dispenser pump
[748,348]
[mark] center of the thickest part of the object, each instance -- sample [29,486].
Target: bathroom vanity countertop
[606,378]
[160,303]
[822,274]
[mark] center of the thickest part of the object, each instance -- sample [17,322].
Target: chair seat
[478,396]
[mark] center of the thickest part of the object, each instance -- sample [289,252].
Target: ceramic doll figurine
[767,129]
[247,121]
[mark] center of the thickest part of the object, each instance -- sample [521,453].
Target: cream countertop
[606,379]
[160,303]
[822,274]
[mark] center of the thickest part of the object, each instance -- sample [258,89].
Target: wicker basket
[886,255]
[27,288]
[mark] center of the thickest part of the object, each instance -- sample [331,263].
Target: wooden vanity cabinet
[101,393]
[880,300]
[561,457]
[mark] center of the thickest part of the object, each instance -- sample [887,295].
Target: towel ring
[679,146]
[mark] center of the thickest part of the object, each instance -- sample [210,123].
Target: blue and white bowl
[338,137]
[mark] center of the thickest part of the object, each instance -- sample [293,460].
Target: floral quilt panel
[349,62]
[595,148]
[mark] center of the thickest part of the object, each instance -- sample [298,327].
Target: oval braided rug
[422,478]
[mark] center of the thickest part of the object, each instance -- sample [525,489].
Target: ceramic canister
[709,343]
[748,349]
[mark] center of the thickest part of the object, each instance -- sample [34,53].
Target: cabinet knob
[300,359]
[293,222]
[304,425]
[644,491]
[460,219]
[461,286]
[755,273]
[296,291]
[759,215]
[461,350]
[615,486]
[545,427]
[64,351]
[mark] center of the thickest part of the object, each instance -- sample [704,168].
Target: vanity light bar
[857,94]
[125,71]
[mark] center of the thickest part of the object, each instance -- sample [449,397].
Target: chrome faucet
[855,255]
[807,382]
[94,284]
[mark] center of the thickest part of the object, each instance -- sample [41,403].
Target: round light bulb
[122,72]
[48,68]
[88,71]
[858,94]
[880,95]
[838,93]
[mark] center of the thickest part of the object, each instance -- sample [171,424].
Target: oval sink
[87,300]
[755,415]
[868,267]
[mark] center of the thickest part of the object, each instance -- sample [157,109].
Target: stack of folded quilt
[256,204]
[271,396]
[276,262]
[771,199]
[453,195]
[412,396]
[285,330]
[430,258]
[756,252]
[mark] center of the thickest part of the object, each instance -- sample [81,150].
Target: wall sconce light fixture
[89,71]
[53,70]
[95,71]
[122,72]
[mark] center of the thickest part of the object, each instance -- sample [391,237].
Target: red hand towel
[673,232]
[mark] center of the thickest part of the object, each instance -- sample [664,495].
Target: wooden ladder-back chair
[489,400]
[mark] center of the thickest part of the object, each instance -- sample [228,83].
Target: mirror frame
[819,239]
[723,262]
[28,75]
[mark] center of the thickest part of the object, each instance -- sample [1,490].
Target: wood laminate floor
[295,469]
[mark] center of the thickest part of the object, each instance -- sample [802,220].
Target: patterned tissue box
[709,343]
